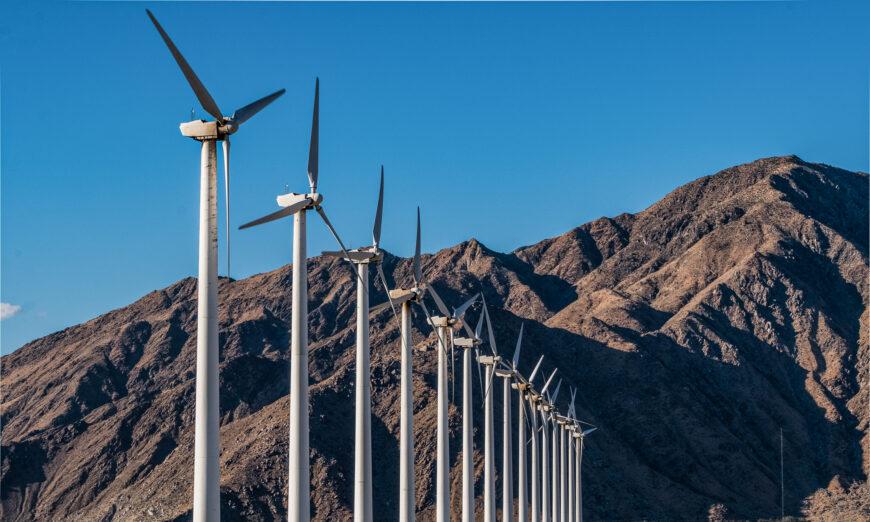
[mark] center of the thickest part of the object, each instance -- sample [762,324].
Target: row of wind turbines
[550,490]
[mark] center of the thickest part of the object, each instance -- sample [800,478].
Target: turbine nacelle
[201,130]
[465,342]
[292,199]
[488,360]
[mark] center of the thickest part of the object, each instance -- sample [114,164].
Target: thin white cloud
[7,310]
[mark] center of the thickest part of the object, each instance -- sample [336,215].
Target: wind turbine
[571,428]
[527,393]
[544,408]
[361,258]
[509,373]
[562,422]
[581,435]
[206,470]
[443,325]
[404,298]
[490,363]
[297,205]
[467,344]
[554,453]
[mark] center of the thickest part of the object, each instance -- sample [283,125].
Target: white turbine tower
[509,374]
[544,409]
[571,428]
[554,453]
[206,471]
[405,297]
[468,344]
[562,426]
[361,258]
[297,205]
[489,362]
[443,325]
[529,394]
[581,436]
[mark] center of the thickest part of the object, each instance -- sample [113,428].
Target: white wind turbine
[206,471]
[443,325]
[554,453]
[544,409]
[571,428]
[509,373]
[563,422]
[361,258]
[581,435]
[297,205]
[527,393]
[490,363]
[467,344]
[404,298]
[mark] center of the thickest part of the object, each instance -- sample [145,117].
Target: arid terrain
[695,330]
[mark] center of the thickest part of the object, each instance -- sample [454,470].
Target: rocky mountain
[695,330]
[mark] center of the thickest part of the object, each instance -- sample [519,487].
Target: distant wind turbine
[404,298]
[297,205]
[509,374]
[570,428]
[443,325]
[535,482]
[468,344]
[544,409]
[554,453]
[581,435]
[361,258]
[206,470]
[490,363]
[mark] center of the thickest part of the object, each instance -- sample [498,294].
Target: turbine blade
[418,272]
[429,319]
[314,146]
[199,89]
[546,384]
[226,148]
[479,373]
[376,231]
[534,414]
[459,312]
[387,290]
[535,371]
[344,251]
[467,330]
[286,211]
[571,407]
[452,370]
[489,383]
[438,301]
[516,357]
[479,327]
[492,345]
[244,114]
[556,393]
[525,411]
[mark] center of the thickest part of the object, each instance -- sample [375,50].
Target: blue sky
[506,122]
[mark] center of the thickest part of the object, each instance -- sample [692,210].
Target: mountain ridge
[694,328]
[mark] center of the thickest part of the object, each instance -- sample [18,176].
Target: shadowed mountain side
[694,330]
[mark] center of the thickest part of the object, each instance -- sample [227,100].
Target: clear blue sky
[506,122]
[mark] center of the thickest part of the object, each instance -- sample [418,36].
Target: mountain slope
[695,329]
